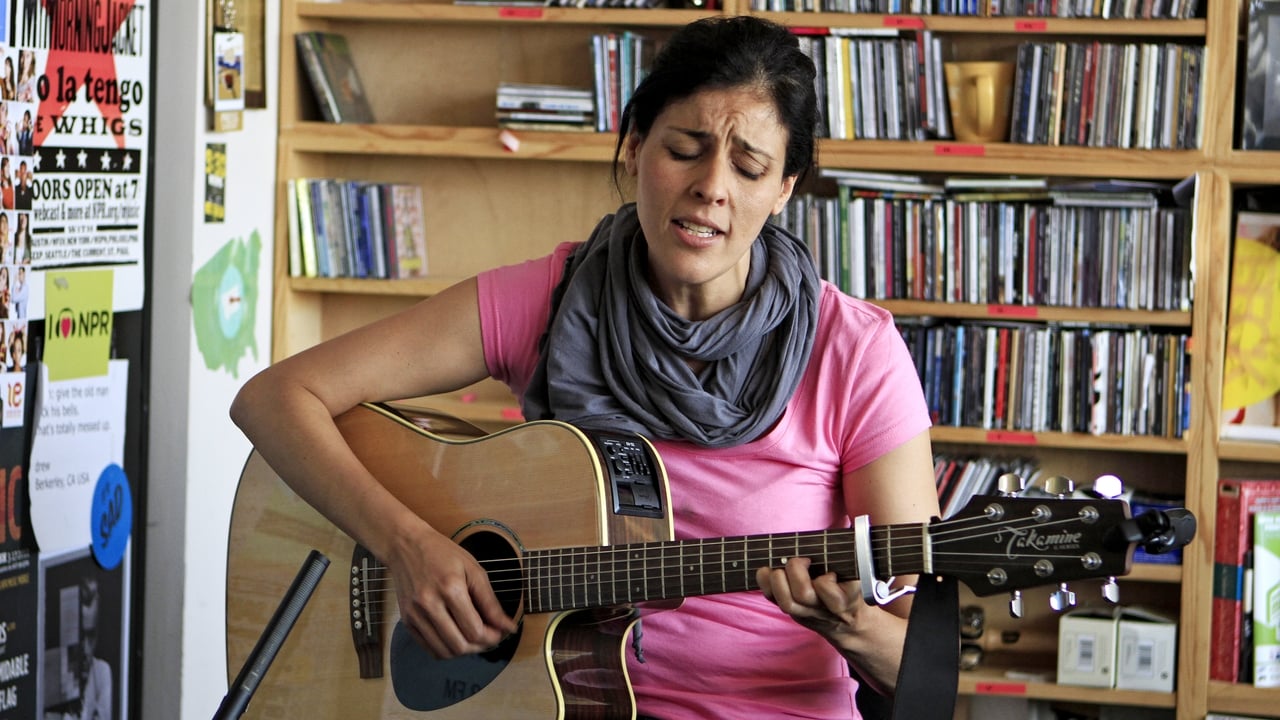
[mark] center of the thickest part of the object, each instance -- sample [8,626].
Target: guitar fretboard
[577,578]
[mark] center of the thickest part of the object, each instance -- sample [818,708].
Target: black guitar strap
[929,676]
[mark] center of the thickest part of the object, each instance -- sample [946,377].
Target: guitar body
[538,485]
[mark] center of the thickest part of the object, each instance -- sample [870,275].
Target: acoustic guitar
[573,528]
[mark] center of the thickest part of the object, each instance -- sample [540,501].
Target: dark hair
[718,53]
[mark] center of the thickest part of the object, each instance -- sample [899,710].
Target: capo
[874,590]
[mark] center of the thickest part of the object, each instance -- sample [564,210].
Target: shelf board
[994,681]
[360,286]
[445,12]
[1239,698]
[948,157]
[432,285]
[1022,26]
[1251,166]
[1082,441]
[444,141]
[995,311]
[1154,573]
[1248,451]
[931,156]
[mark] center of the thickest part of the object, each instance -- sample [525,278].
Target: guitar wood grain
[540,481]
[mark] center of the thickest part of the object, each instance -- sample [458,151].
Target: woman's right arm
[287,412]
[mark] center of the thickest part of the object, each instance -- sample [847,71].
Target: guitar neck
[578,578]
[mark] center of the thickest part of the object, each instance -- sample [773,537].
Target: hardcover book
[333,77]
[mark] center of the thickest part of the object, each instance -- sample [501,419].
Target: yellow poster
[78,318]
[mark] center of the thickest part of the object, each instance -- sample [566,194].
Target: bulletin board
[75,157]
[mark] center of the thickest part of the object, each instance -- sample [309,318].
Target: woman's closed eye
[751,173]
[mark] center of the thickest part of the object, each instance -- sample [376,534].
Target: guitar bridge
[368,586]
[631,468]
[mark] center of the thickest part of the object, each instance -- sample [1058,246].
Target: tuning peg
[1062,598]
[1059,485]
[1111,591]
[1011,484]
[1015,604]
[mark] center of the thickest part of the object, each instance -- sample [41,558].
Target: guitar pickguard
[423,682]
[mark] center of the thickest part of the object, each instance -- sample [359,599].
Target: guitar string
[805,544]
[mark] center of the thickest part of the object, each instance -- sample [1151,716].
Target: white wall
[195,452]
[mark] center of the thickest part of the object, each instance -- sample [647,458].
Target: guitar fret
[702,577]
[578,576]
[680,564]
[635,580]
[534,591]
[759,554]
[596,580]
[656,582]
[548,580]
[560,574]
[888,553]
[616,576]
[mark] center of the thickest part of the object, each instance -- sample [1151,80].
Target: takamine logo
[67,324]
[1032,540]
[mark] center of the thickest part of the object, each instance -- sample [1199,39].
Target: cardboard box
[1087,648]
[1146,650]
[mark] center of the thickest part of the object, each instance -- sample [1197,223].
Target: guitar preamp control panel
[632,474]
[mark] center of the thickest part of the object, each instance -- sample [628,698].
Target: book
[544,98]
[993,183]
[1251,365]
[1238,500]
[333,77]
[295,230]
[1266,599]
[408,232]
[1259,117]
[306,232]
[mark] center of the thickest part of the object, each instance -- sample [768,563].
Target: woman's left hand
[821,604]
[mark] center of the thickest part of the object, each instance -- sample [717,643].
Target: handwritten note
[79,433]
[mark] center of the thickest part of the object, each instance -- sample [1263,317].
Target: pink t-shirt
[737,655]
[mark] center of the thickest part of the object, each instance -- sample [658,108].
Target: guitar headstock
[1002,543]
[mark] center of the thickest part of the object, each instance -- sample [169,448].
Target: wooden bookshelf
[430,69]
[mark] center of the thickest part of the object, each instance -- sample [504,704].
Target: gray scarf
[613,356]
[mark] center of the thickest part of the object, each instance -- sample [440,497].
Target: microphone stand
[273,636]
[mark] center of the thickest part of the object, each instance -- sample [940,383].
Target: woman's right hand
[446,601]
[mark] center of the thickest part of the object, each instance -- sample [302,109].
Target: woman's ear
[629,150]
[788,185]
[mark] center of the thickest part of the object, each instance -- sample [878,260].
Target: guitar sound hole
[424,682]
[500,561]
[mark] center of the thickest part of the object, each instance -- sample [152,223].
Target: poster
[82,74]
[19,630]
[84,630]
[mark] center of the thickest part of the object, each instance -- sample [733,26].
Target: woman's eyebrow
[739,141]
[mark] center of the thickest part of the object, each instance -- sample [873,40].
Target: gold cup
[981,96]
